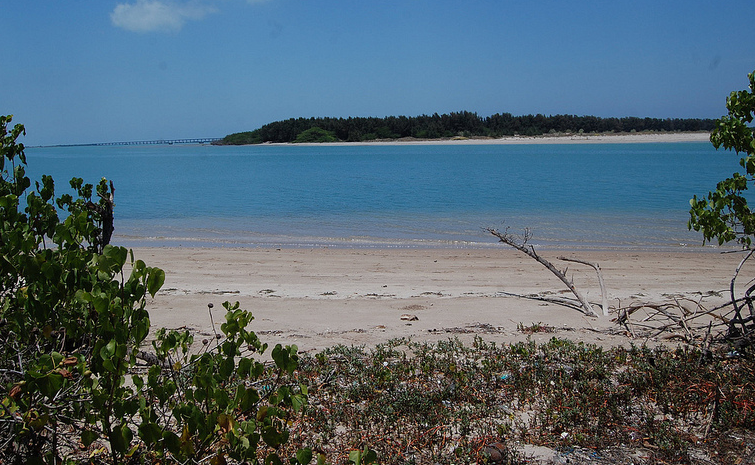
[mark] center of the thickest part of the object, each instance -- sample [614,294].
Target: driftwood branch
[106,220]
[596,267]
[529,250]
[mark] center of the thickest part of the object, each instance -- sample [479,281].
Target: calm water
[573,196]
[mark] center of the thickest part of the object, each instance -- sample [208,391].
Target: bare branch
[604,303]
[529,250]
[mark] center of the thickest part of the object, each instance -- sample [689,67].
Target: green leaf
[273,437]
[370,456]
[304,456]
[88,437]
[155,281]
[273,459]
[286,358]
[118,441]
[355,457]
[108,350]
[245,366]
[150,433]
[362,457]
[298,401]
[249,399]
[172,442]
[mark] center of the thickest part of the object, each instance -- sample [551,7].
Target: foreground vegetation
[73,328]
[457,124]
[445,402]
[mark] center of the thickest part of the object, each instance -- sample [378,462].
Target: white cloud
[157,15]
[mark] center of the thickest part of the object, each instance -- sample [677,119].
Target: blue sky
[78,71]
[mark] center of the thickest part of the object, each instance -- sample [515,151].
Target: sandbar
[587,138]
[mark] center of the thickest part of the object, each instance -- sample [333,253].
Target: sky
[82,71]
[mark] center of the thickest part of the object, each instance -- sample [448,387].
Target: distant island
[453,125]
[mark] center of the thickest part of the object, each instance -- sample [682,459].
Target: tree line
[455,124]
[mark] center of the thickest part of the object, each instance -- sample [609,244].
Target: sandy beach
[319,297]
[316,298]
[587,138]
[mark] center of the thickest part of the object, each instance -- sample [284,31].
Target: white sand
[320,297]
[643,137]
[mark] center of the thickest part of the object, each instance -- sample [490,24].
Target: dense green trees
[465,124]
[315,134]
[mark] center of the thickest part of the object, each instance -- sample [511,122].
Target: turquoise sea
[625,196]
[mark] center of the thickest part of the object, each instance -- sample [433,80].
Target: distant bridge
[205,140]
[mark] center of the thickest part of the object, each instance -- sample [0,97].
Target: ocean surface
[572,196]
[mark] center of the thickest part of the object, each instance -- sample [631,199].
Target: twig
[212,322]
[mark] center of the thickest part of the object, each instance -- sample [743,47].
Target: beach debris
[689,320]
[409,317]
[219,292]
[683,319]
[414,307]
[534,328]
[496,452]
[378,296]
[438,294]
[456,330]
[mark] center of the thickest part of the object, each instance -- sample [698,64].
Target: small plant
[219,403]
[535,328]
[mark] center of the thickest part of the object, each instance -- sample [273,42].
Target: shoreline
[320,297]
[378,244]
[624,138]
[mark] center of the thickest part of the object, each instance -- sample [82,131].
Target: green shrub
[73,319]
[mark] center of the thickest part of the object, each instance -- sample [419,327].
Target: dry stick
[623,318]
[565,301]
[530,252]
[683,322]
[664,309]
[604,303]
[748,299]
[737,309]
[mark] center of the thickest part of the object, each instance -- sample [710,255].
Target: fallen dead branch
[682,318]
[596,267]
[698,327]
[527,249]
